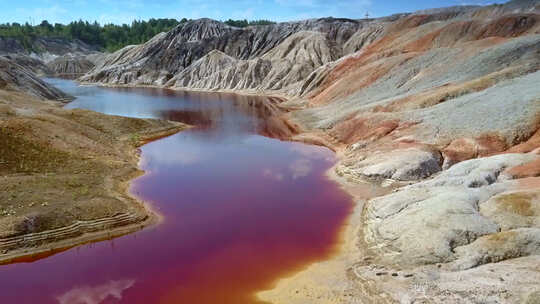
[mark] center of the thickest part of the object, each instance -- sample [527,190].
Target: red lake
[241,209]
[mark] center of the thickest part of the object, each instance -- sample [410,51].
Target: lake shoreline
[334,269]
[116,182]
[145,217]
[337,264]
[331,280]
[281,97]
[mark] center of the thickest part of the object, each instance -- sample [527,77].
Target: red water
[241,210]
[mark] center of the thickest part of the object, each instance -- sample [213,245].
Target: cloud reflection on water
[95,294]
[297,169]
[312,153]
[300,168]
[273,175]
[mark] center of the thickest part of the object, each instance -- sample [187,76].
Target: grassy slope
[58,167]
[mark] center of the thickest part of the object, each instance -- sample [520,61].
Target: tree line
[108,37]
[245,22]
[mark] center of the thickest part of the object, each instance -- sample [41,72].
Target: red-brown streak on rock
[424,43]
[342,68]
[380,48]
[351,131]
[472,30]
[531,144]
[358,78]
[411,22]
[529,183]
[399,137]
[460,149]
[377,49]
[405,126]
[331,88]
[530,169]
[506,26]
[344,79]
[394,139]
[509,26]
[280,128]
[490,144]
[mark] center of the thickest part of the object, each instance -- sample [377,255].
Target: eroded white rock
[405,165]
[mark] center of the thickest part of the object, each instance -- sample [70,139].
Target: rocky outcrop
[168,54]
[54,57]
[498,247]
[410,164]
[479,172]
[467,216]
[418,226]
[14,77]
[424,222]
[514,209]
[10,45]
[46,46]
[69,66]
[280,69]
[457,236]
[60,46]
[31,63]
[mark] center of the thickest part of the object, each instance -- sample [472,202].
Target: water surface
[241,209]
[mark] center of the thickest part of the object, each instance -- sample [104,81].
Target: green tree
[109,37]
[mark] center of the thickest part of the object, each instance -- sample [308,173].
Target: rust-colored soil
[353,130]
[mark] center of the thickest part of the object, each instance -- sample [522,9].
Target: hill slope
[14,77]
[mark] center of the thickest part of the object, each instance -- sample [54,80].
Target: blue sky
[124,11]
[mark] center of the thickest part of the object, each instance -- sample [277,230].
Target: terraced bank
[64,174]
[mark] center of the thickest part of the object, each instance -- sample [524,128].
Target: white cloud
[248,13]
[305,3]
[309,4]
[37,14]
[477,2]
[305,9]
[122,18]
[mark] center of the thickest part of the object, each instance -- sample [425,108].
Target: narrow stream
[241,209]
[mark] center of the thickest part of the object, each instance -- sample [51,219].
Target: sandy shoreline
[331,281]
[357,274]
[282,97]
